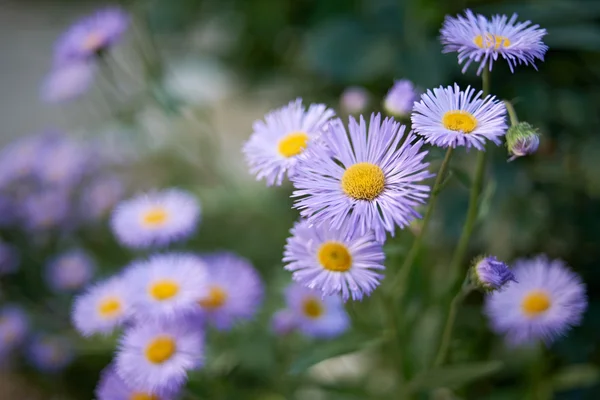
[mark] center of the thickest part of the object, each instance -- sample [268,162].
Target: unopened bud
[489,274]
[522,139]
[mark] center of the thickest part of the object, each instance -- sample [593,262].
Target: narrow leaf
[454,375]
[576,376]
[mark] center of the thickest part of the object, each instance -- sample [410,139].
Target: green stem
[449,326]
[514,120]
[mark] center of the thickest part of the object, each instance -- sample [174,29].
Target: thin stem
[449,326]
[514,120]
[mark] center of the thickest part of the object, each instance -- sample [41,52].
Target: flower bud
[354,100]
[489,274]
[522,139]
[400,98]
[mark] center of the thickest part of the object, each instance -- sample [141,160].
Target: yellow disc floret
[155,216]
[495,41]
[363,181]
[293,144]
[334,256]
[458,120]
[160,349]
[312,307]
[164,289]
[109,307]
[535,303]
[215,299]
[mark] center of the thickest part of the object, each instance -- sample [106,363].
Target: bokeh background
[180,116]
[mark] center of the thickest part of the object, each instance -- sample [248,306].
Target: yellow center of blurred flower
[292,144]
[495,41]
[160,349]
[363,181]
[93,41]
[155,216]
[143,396]
[459,120]
[215,299]
[164,289]
[334,256]
[535,303]
[312,307]
[109,307]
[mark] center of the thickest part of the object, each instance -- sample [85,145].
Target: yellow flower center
[495,41]
[334,256]
[459,120]
[292,144]
[143,396]
[363,181]
[164,289]
[93,41]
[160,349]
[155,216]
[215,299]
[535,303]
[109,307]
[312,307]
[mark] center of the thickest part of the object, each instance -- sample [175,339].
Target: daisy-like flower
[490,274]
[334,261]
[14,325]
[316,316]
[112,387]
[63,163]
[103,307]
[155,358]
[68,82]
[477,39]
[283,322]
[235,290]
[279,140]
[547,300]
[19,159]
[46,210]
[50,354]
[365,178]
[167,286]
[155,219]
[70,271]
[100,196]
[401,98]
[449,117]
[354,100]
[91,35]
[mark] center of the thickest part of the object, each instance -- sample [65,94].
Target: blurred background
[183,90]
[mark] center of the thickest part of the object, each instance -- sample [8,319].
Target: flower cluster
[164,302]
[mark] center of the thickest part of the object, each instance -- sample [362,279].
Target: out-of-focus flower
[334,261]
[490,274]
[367,180]
[157,357]
[70,271]
[479,40]
[284,322]
[68,82]
[277,142]
[45,210]
[19,159]
[155,219]
[8,211]
[103,307]
[317,316]
[354,100]
[91,35]
[63,163]
[522,139]
[50,353]
[167,286]
[547,299]
[112,387]
[14,325]
[449,117]
[400,99]
[9,259]
[235,290]
[100,196]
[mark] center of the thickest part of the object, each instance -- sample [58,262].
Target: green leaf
[454,375]
[576,376]
[462,177]
[425,337]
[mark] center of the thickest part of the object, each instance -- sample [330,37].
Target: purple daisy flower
[156,218]
[490,274]
[365,178]
[91,35]
[167,286]
[449,117]
[235,290]
[70,271]
[9,259]
[317,315]
[19,159]
[401,98]
[156,358]
[63,163]
[112,387]
[547,300]
[50,354]
[14,325]
[100,196]
[278,141]
[478,39]
[354,100]
[68,82]
[334,261]
[283,322]
[45,210]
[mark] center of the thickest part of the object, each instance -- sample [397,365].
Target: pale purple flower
[401,98]
[354,100]
[477,39]
[284,322]
[449,117]
[9,259]
[68,82]
[19,159]
[490,274]
[334,261]
[14,326]
[278,142]
[50,353]
[546,300]
[46,210]
[100,196]
[64,162]
[112,387]
[364,177]
[70,271]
